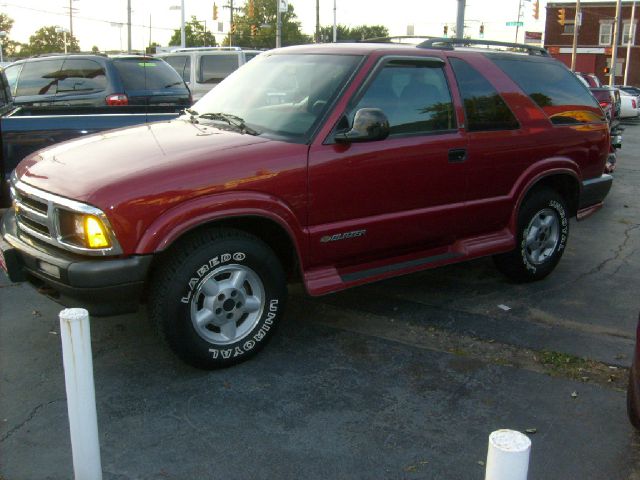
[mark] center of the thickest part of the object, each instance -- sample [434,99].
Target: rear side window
[249,55]
[81,75]
[554,89]
[181,64]
[147,74]
[39,78]
[484,107]
[215,68]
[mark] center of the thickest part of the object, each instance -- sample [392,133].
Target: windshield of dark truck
[283,95]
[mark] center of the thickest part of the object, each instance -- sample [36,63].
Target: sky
[103,23]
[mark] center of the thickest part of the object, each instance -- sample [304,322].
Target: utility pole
[518,20]
[279,25]
[335,25]
[183,39]
[614,48]
[632,34]
[129,26]
[577,21]
[460,19]
[231,22]
[317,21]
[70,18]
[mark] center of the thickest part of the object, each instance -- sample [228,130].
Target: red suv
[339,163]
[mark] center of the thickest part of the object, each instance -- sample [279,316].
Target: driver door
[396,196]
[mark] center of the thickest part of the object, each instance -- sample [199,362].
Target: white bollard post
[508,456]
[81,397]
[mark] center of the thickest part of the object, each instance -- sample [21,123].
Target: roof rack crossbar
[390,39]
[449,43]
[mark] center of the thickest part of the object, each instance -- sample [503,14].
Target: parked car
[629,105]
[629,89]
[374,160]
[633,390]
[204,67]
[95,80]
[26,129]
[591,79]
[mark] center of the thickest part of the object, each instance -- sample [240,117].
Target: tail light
[604,104]
[633,103]
[117,99]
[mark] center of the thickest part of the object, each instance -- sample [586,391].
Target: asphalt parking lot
[401,379]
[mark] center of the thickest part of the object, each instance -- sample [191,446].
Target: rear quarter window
[483,106]
[554,89]
[215,68]
[147,74]
[181,64]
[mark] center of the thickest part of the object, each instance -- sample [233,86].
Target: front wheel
[218,297]
[543,230]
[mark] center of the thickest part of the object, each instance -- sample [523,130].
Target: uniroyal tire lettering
[225,257]
[214,353]
[249,345]
[238,351]
[238,257]
[226,353]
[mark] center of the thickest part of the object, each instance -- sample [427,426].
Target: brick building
[595,38]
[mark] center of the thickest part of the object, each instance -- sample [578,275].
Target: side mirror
[369,124]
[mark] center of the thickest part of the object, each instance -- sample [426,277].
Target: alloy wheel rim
[227,304]
[542,236]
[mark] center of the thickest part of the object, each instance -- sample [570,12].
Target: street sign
[515,24]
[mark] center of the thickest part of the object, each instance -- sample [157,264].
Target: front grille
[34,216]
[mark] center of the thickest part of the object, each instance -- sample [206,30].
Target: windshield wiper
[192,114]
[232,120]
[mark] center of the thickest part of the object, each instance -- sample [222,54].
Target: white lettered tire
[543,231]
[217,297]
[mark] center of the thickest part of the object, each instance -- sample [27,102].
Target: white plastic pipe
[81,397]
[508,456]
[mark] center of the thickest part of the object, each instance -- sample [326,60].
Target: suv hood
[144,157]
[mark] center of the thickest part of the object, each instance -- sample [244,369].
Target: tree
[95,49]
[9,47]
[47,40]
[361,32]
[195,35]
[263,19]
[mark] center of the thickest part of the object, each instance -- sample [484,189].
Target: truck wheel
[218,297]
[543,229]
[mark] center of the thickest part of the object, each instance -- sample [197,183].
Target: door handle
[457,155]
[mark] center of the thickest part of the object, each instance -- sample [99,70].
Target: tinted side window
[215,68]
[39,78]
[554,88]
[12,72]
[181,64]
[414,96]
[81,75]
[484,107]
[147,74]
[248,56]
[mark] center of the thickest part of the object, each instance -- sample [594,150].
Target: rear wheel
[218,297]
[543,230]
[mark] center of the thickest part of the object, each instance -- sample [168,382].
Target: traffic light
[215,11]
[606,70]
[446,30]
[254,30]
[536,9]
[482,30]
[561,16]
[233,28]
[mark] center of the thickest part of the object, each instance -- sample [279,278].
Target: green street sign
[515,24]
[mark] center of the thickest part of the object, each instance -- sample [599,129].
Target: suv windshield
[284,95]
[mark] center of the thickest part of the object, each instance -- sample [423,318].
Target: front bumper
[104,286]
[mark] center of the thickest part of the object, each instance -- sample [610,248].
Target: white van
[202,68]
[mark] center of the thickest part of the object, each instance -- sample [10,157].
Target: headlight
[82,230]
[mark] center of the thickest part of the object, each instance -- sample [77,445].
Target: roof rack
[62,54]
[390,39]
[204,49]
[450,43]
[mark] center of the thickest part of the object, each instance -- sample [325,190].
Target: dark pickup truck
[23,130]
